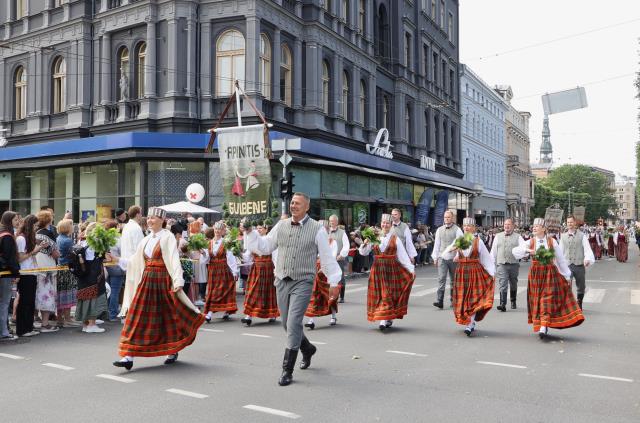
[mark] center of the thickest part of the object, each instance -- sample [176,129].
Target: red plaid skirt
[260,297]
[622,250]
[389,288]
[611,250]
[157,322]
[221,287]
[321,304]
[472,291]
[550,299]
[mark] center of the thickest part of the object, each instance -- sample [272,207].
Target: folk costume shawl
[135,268]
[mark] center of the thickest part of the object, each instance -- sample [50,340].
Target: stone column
[105,91]
[252,55]
[314,76]
[355,95]
[206,70]
[72,75]
[191,57]
[337,85]
[32,82]
[371,102]
[276,53]
[150,59]
[297,80]
[172,59]
[5,97]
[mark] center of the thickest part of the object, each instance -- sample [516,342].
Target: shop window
[358,185]
[392,190]
[98,192]
[131,184]
[230,61]
[265,67]
[405,191]
[307,181]
[378,188]
[168,181]
[334,182]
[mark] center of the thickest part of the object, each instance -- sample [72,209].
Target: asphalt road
[423,369]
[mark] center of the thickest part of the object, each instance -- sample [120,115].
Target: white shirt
[29,262]
[401,253]
[265,245]
[408,241]
[522,250]
[588,252]
[232,261]
[345,244]
[132,235]
[436,244]
[486,260]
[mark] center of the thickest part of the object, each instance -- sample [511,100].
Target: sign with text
[428,163]
[381,146]
[553,219]
[245,169]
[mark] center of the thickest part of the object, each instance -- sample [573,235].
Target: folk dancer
[402,231]
[342,240]
[222,276]
[549,295]
[391,277]
[578,254]
[445,235]
[299,240]
[473,283]
[594,243]
[611,245]
[159,318]
[621,242]
[508,267]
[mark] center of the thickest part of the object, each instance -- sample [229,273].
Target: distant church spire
[546,150]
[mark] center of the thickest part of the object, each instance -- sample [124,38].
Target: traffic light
[286,186]
[290,186]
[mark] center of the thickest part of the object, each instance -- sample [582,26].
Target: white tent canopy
[186,207]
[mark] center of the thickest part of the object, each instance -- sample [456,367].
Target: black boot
[503,302]
[580,297]
[308,350]
[514,294]
[288,363]
[342,288]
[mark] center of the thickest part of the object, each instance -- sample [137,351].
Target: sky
[591,43]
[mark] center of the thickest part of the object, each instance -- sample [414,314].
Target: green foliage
[463,242]
[268,221]
[232,243]
[370,234]
[544,255]
[101,240]
[197,242]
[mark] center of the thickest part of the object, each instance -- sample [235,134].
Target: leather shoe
[207,319]
[513,304]
[310,325]
[171,359]
[468,331]
[382,328]
[389,323]
[502,307]
[439,305]
[226,317]
[246,321]
[126,364]
[308,350]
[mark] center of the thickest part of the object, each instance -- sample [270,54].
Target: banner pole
[237,93]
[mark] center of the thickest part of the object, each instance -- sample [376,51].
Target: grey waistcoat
[505,246]
[399,232]
[447,236]
[337,237]
[297,250]
[572,247]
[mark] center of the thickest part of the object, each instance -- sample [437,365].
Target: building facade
[626,200]
[109,101]
[519,177]
[483,147]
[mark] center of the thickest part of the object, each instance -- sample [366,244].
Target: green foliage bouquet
[370,234]
[232,242]
[101,240]
[544,255]
[197,242]
[463,242]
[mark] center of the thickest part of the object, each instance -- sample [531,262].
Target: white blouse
[401,252]
[232,261]
[485,258]
[522,250]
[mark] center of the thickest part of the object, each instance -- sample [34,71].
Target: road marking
[407,353]
[256,335]
[57,366]
[351,291]
[603,281]
[317,342]
[491,363]
[273,411]
[424,292]
[619,379]
[187,393]
[416,286]
[594,295]
[521,289]
[116,378]
[635,296]
[11,356]
[211,330]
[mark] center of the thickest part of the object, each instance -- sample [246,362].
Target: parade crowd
[162,285]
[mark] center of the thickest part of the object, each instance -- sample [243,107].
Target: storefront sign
[428,163]
[381,146]
[442,202]
[424,207]
[244,169]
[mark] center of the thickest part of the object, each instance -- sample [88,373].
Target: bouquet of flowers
[197,242]
[101,240]
[544,255]
[370,234]
[232,243]
[463,242]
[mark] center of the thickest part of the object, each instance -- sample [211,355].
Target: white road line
[594,295]
[187,393]
[354,284]
[317,342]
[424,292]
[407,353]
[116,378]
[416,286]
[618,379]
[211,330]
[273,411]
[491,363]
[521,289]
[11,356]
[57,366]
[256,335]
[603,281]
[635,296]
[351,291]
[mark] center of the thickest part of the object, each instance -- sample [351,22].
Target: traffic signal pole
[284,176]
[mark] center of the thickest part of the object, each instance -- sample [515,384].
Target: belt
[287,279]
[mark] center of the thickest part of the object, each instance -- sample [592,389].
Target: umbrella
[186,207]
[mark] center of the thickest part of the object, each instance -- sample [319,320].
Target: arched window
[381,35]
[345,96]
[407,123]
[21,9]
[386,110]
[20,83]
[141,60]
[325,87]
[229,61]
[123,73]
[362,104]
[265,67]
[285,75]
[59,85]
[426,130]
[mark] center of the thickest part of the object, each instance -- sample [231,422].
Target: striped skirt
[551,302]
[389,289]
[322,302]
[622,251]
[157,322]
[472,291]
[221,288]
[67,289]
[260,297]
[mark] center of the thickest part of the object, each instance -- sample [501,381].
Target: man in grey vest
[300,240]
[341,238]
[402,231]
[578,254]
[445,235]
[508,265]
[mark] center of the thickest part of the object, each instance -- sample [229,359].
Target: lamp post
[569,190]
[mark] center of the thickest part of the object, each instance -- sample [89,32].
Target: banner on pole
[424,207]
[245,169]
[442,202]
[553,219]
[578,213]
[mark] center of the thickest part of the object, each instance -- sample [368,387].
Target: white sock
[383,322]
[126,358]
[543,329]
[246,316]
[310,321]
[210,315]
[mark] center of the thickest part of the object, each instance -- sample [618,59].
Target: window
[433,9]
[326,5]
[363,102]
[345,96]
[434,62]
[325,87]
[123,72]
[450,27]
[229,62]
[285,75]
[385,112]
[442,14]
[21,9]
[265,67]
[362,16]
[452,81]
[407,50]
[407,123]
[426,128]
[141,58]
[345,11]
[20,83]
[425,54]
[381,32]
[59,85]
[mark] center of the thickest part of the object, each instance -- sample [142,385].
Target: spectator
[92,301]
[121,218]
[8,263]
[27,284]
[67,283]
[46,292]
[51,227]
[116,276]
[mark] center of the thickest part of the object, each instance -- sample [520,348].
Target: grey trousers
[343,266]
[444,267]
[5,299]
[293,300]
[507,275]
[578,273]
